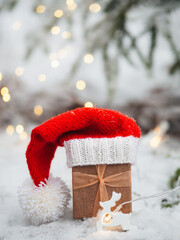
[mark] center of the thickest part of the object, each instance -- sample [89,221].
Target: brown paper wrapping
[84,198]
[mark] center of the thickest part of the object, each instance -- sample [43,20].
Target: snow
[150,175]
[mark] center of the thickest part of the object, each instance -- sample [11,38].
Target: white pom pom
[45,203]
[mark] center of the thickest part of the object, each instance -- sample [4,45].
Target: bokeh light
[19,71]
[10,130]
[88,58]
[95,7]
[19,129]
[55,30]
[66,35]
[16,25]
[88,104]
[58,13]
[80,85]
[42,77]
[40,9]
[1,76]
[38,110]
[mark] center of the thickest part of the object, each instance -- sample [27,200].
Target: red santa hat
[90,136]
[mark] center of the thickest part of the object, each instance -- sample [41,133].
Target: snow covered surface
[149,175]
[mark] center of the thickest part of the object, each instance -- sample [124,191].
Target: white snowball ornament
[45,203]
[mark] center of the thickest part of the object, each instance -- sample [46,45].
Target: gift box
[95,183]
[100,147]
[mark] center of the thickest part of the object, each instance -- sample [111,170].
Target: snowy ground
[150,175]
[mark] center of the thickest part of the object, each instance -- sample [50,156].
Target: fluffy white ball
[45,203]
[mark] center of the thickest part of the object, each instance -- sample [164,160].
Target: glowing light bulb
[88,58]
[40,9]
[95,7]
[10,130]
[107,218]
[6,97]
[19,129]
[1,76]
[155,141]
[54,63]
[55,30]
[16,25]
[19,71]
[88,104]
[42,77]
[66,35]
[38,110]
[4,91]
[80,85]
[23,135]
[58,13]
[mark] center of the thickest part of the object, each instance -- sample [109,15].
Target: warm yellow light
[107,218]
[54,63]
[19,129]
[1,76]
[66,35]
[19,71]
[42,77]
[16,25]
[55,30]
[62,53]
[155,141]
[80,85]
[6,97]
[23,135]
[58,13]
[88,104]
[38,110]
[88,58]
[40,9]
[4,91]
[10,130]
[94,7]
[71,5]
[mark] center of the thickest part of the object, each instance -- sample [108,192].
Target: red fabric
[79,123]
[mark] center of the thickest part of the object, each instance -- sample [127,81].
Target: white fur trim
[45,203]
[93,151]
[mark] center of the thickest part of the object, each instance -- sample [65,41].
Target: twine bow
[81,180]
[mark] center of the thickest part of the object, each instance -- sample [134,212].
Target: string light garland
[38,110]
[80,85]
[58,13]
[19,129]
[40,9]
[1,76]
[6,97]
[16,25]
[55,30]
[19,71]
[10,130]
[88,58]
[88,105]
[95,7]
[42,77]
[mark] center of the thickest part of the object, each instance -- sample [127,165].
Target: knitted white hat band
[93,151]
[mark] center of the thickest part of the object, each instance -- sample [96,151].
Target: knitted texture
[81,123]
[92,151]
